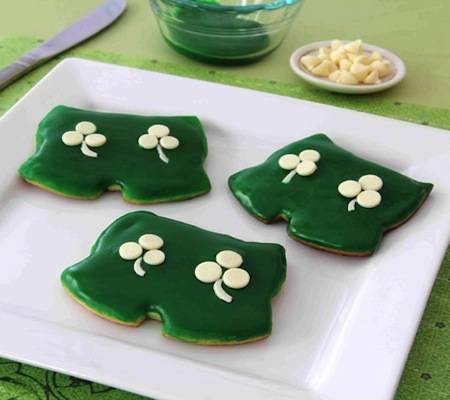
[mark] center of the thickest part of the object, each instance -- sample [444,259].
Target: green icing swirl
[188,308]
[316,212]
[140,173]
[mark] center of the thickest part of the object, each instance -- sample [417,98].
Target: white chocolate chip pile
[303,164]
[363,192]
[234,277]
[157,136]
[348,63]
[153,255]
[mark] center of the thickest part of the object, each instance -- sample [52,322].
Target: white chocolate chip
[337,55]
[363,59]
[375,56]
[324,53]
[306,168]
[220,293]
[85,127]
[371,182]
[229,259]
[309,154]
[349,188]
[138,267]
[130,251]
[87,151]
[323,69]
[352,57]
[150,241]
[95,140]
[148,142]
[388,66]
[335,44]
[236,278]
[347,78]
[310,61]
[333,67]
[360,71]
[208,271]
[169,142]
[354,47]
[159,130]
[154,257]
[380,67]
[288,161]
[334,76]
[369,199]
[72,138]
[345,64]
[372,78]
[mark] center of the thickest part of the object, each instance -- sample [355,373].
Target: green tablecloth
[427,372]
[417,30]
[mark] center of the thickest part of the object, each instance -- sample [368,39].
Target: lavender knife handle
[16,69]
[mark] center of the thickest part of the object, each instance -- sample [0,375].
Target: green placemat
[427,372]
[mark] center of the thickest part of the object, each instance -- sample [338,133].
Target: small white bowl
[397,74]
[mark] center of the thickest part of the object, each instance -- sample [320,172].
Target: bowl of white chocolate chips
[348,66]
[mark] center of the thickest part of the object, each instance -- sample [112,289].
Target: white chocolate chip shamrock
[153,255]
[158,136]
[234,277]
[363,192]
[84,134]
[304,164]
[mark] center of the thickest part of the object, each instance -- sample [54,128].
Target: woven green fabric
[427,372]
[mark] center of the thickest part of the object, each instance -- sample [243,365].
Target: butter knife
[81,30]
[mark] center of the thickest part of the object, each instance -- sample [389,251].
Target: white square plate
[342,326]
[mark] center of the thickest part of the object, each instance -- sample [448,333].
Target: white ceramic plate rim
[398,74]
[94,357]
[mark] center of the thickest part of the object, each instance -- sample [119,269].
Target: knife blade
[84,28]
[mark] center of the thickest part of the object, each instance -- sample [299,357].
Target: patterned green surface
[427,372]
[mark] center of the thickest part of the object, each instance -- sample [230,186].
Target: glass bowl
[229,31]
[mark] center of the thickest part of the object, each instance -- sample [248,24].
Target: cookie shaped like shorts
[197,298]
[81,154]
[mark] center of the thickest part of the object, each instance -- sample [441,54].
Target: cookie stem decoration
[304,164]
[363,192]
[234,277]
[84,135]
[133,251]
[158,137]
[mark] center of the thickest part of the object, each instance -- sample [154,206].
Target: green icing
[202,33]
[140,173]
[316,212]
[188,308]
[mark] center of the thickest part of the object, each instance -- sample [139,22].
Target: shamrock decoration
[313,209]
[234,277]
[187,308]
[364,191]
[158,137]
[304,164]
[133,251]
[84,134]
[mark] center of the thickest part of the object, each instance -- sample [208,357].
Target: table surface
[417,30]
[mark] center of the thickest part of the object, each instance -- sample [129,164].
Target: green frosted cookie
[332,199]
[82,154]
[205,287]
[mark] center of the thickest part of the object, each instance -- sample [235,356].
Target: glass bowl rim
[248,8]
